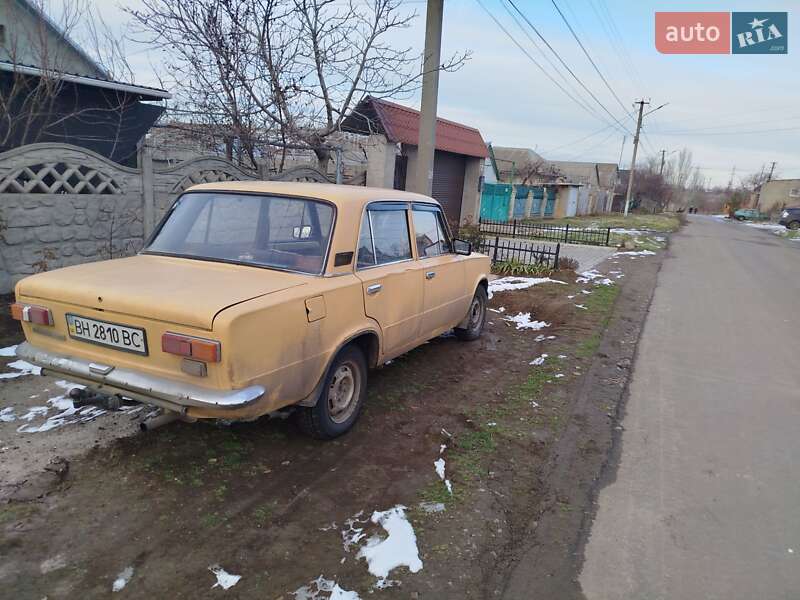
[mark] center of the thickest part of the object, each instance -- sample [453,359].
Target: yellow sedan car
[255,296]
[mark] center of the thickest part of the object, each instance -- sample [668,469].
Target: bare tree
[282,72]
[538,171]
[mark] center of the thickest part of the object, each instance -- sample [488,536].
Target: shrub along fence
[501,250]
[553,233]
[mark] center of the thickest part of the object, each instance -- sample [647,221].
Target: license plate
[130,339]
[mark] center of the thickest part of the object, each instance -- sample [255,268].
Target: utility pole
[641,104]
[621,150]
[426,147]
[771,171]
[663,157]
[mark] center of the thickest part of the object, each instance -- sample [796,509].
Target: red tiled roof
[401,124]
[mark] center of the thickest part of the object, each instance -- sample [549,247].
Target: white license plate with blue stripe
[113,335]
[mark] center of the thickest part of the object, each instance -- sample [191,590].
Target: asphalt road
[706,499]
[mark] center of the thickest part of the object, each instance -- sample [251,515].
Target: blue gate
[495,201]
[550,206]
[520,200]
[536,205]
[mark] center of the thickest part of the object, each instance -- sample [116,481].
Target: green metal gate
[495,201]
[550,206]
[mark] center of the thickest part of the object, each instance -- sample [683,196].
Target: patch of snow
[581,306]
[442,448]
[68,385]
[505,284]
[432,507]
[439,466]
[449,486]
[225,580]
[634,232]
[562,356]
[26,367]
[585,292]
[322,588]
[7,415]
[595,277]
[539,360]
[633,253]
[502,309]
[33,412]
[122,579]
[523,321]
[352,534]
[768,226]
[559,375]
[534,404]
[8,351]
[398,549]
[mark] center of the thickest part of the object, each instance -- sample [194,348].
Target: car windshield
[267,231]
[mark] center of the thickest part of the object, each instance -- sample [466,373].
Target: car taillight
[38,315]
[192,347]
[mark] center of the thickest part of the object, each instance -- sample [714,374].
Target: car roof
[340,195]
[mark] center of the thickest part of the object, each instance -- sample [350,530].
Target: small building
[56,93]
[391,149]
[777,194]
[598,182]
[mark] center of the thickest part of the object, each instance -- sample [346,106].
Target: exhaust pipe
[167,417]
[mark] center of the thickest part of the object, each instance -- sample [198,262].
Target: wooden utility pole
[426,147]
[641,104]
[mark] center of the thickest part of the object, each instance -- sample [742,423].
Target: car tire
[341,400]
[739,218]
[476,317]
[794,225]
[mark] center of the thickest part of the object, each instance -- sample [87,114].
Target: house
[55,92]
[777,194]
[392,132]
[523,166]
[598,181]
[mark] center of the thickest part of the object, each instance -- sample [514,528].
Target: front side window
[431,238]
[384,237]
[268,231]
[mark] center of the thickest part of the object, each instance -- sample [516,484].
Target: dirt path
[262,501]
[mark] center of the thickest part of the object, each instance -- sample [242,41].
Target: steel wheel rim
[475,313]
[343,393]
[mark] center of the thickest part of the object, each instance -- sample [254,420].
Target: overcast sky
[724,108]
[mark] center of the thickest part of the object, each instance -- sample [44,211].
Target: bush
[513,266]
[471,232]
[565,263]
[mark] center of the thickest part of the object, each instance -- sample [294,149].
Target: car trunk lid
[177,290]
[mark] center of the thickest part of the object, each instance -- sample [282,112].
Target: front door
[442,272]
[390,278]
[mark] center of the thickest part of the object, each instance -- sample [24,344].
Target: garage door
[448,183]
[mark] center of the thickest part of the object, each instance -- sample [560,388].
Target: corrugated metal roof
[146,92]
[400,124]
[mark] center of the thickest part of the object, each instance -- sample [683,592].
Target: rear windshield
[268,231]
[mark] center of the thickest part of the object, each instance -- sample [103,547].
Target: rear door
[445,298]
[390,279]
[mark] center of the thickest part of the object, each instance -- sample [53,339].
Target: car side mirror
[462,247]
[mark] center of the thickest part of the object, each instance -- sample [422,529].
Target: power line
[534,61]
[588,56]
[566,66]
[566,81]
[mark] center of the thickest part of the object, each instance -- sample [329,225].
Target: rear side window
[431,238]
[384,238]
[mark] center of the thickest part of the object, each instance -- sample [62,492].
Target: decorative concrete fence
[62,205]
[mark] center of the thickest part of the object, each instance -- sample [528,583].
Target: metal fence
[500,250]
[553,233]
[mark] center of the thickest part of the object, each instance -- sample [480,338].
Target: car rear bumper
[167,393]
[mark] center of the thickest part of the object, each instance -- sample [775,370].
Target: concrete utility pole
[771,171]
[423,181]
[663,158]
[641,104]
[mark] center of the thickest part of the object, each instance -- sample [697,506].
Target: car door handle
[430,274]
[374,289]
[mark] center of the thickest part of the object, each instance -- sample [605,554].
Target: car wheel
[794,225]
[739,218]
[476,317]
[341,400]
